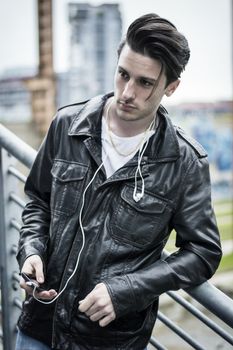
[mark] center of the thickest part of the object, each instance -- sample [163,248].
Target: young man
[111,181]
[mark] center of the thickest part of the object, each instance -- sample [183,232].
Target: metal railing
[13,153]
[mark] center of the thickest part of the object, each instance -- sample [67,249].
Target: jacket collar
[163,145]
[88,120]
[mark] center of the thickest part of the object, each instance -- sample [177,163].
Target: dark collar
[88,120]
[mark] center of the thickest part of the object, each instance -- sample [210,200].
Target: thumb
[38,266]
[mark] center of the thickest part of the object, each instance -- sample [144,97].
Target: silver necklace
[140,143]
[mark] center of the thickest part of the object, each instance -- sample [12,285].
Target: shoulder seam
[72,105]
[198,148]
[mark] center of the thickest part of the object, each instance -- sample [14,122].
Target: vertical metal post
[10,289]
[3,258]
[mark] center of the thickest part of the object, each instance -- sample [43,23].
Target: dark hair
[159,39]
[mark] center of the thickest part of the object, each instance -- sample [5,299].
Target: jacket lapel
[164,145]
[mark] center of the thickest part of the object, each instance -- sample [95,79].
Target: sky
[207,24]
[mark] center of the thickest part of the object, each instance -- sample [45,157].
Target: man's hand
[33,266]
[98,305]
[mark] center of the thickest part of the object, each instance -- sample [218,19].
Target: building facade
[95,33]
[15,101]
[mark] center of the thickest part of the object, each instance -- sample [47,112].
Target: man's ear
[172,87]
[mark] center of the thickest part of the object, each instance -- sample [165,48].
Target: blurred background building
[26,94]
[92,58]
[211,125]
[15,99]
[92,53]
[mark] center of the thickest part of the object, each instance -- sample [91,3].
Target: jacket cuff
[122,295]
[136,291]
[23,255]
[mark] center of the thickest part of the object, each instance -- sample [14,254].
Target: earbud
[137,196]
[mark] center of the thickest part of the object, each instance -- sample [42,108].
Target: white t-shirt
[125,145]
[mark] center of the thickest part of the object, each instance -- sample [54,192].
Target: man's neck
[124,128]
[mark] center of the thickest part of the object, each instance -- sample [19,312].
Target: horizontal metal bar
[15,276]
[15,146]
[13,171]
[202,317]
[14,223]
[14,249]
[157,344]
[15,198]
[214,300]
[17,302]
[179,331]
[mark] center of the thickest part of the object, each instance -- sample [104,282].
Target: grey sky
[205,23]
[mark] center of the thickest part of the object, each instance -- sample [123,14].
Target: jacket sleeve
[194,262]
[34,233]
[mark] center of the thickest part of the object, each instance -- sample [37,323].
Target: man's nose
[129,91]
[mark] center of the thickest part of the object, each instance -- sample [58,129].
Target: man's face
[139,86]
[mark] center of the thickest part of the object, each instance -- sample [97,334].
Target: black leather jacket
[124,238]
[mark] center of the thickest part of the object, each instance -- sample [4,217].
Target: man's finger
[23,285]
[46,294]
[99,314]
[33,266]
[39,271]
[107,319]
[92,310]
[86,303]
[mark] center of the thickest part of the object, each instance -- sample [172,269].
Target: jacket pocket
[67,185]
[138,223]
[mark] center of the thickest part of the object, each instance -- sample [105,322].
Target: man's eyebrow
[119,67]
[153,80]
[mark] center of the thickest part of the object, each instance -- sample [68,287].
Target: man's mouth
[126,106]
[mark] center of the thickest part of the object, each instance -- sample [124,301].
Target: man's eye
[146,83]
[123,74]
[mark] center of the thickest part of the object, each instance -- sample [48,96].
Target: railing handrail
[17,147]
[212,299]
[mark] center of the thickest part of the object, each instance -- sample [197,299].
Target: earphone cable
[82,247]
[137,196]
